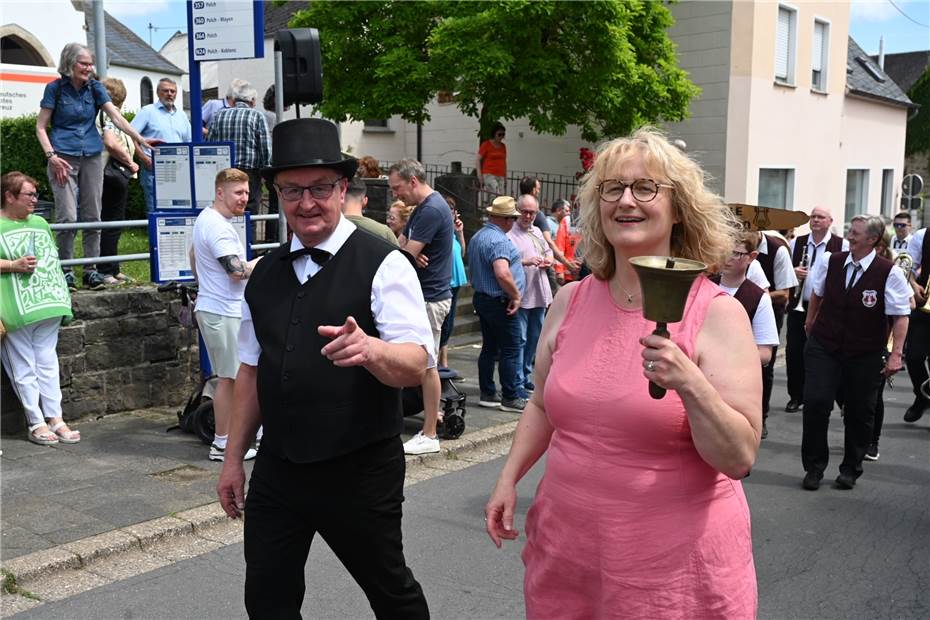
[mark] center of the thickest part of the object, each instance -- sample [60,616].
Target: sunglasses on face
[900,225]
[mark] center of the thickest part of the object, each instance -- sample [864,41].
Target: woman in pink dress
[640,512]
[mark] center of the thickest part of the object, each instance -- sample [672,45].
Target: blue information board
[170,239]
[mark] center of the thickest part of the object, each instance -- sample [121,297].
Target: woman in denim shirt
[75,164]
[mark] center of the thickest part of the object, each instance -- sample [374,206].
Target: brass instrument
[665,283]
[906,262]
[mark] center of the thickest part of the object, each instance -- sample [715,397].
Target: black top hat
[305,143]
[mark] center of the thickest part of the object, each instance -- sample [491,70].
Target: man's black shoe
[792,406]
[765,430]
[845,481]
[811,481]
[913,413]
[871,454]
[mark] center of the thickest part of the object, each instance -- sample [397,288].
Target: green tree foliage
[20,150]
[918,128]
[606,66]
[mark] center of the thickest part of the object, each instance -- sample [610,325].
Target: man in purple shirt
[536,256]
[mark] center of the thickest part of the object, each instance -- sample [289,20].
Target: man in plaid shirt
[245,127]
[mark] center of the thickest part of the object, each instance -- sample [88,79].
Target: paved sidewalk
[128,470]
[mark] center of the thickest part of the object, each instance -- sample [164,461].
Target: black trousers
[354,503]
[768,371]
[112,209]
[858,378]
[795,340]
[916,351]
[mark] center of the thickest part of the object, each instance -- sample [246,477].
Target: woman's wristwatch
[50,154]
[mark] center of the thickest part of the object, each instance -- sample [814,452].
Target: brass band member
[852,297]
[918,334]
[806,251]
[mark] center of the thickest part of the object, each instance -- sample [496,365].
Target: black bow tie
[316,255]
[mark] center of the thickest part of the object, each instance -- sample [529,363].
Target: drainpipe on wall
[100,41]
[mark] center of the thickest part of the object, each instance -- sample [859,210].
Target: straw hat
[503,206]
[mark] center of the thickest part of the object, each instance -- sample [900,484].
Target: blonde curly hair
[706,227]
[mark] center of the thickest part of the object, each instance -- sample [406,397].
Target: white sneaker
[421,444]
[218,454]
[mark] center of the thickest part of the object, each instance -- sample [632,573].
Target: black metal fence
[553,186]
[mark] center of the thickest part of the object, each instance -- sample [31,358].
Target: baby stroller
[451,404]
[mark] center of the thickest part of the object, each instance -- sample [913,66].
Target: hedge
[20,150]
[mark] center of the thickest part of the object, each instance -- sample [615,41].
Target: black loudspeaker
[302,65]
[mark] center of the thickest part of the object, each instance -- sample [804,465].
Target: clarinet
[804,263]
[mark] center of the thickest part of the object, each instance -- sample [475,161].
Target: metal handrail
[126,258]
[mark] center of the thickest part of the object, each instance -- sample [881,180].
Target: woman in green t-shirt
[34,300]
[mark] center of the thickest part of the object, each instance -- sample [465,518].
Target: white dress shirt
[897,290]
[396,299]
[764,330]
[756,275]
[915,247]
[782,269]
[815,251]
[900,245]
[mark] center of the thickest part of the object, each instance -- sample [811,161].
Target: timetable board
[171,235]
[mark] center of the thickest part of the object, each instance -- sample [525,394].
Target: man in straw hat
[333,325]
[498,279]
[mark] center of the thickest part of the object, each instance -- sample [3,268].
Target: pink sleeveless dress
[628,520]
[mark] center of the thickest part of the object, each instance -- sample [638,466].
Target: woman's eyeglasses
[320,191]
[736,254]
[644,190]
[30,195]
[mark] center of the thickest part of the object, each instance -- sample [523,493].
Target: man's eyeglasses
[527,212]
[320,191]
[30,195]
[644,190]
[901,224]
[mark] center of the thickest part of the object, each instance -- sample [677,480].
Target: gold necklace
[629,297]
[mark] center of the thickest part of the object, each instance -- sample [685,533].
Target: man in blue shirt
[428,238]
[498,279]
[161,120]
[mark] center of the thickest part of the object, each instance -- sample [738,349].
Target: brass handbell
[665,283]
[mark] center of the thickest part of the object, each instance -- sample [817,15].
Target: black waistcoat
[749,294]
[853,322]
[767,261]
[311,409]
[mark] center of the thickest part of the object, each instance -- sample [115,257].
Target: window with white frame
[820,56]
[888,192]
[785,44]
[857,192]
[776,188]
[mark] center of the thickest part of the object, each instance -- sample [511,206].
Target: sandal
[44,438]
[65,436]
[111,281]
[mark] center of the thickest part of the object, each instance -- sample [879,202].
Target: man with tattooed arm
[218,260]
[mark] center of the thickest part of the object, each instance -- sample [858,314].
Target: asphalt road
[824,554]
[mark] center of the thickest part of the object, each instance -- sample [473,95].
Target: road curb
[79,554]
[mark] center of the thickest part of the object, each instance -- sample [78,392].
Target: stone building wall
[124,350]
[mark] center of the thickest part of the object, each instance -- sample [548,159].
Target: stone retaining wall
[125,350]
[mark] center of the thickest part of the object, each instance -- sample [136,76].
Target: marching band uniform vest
[834,244]
[749,294]
[311,409]
[767,261]
[853,322]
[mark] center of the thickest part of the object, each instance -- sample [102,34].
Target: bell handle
[657,391]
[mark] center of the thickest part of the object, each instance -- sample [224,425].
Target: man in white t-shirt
[219,263]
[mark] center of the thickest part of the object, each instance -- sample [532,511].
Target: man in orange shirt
[491,164]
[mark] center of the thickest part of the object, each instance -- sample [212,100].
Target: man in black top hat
[333,326]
